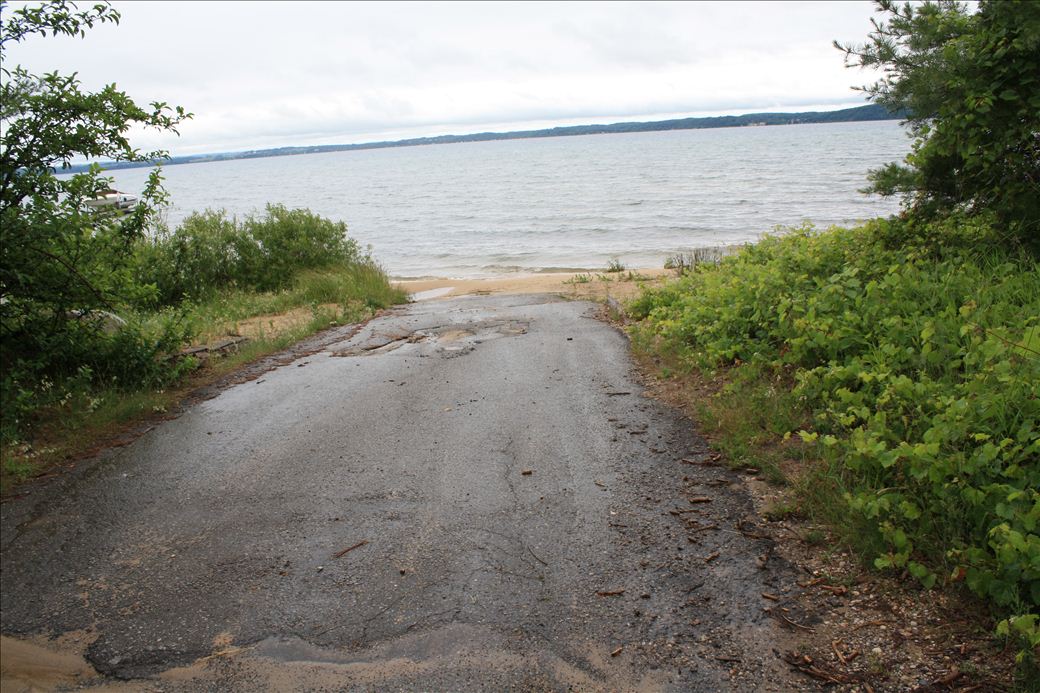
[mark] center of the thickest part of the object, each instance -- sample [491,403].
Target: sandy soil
[32,666]
[588,285]
[267,325]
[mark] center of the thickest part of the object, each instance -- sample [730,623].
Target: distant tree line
[859,113]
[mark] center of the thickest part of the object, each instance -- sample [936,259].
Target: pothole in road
[451,340]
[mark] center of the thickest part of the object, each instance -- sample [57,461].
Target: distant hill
[868,112]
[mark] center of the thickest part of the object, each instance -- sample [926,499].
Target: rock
[107,322]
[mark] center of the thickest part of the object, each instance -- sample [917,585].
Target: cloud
[280,73]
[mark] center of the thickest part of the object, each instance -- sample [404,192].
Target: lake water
[487,208]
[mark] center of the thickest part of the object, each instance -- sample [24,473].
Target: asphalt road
[469,494]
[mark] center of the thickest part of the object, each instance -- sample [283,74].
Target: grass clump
[210,252]
[917,367]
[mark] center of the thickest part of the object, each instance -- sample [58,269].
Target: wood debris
[820,672]
[833,589]
[703,463]
[944,681]
[789,622]
[838,653]
[347,550]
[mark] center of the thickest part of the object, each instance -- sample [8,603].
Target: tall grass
[355,289]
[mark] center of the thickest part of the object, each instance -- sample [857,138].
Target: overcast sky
[268,74]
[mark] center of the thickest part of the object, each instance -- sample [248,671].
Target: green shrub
[210,252]
[78,357]
[967,79]
[921,365]
[289,241]
[206,252]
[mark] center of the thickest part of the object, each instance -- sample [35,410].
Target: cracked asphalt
[466,494]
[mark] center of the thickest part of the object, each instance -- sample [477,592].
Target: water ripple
[482,208]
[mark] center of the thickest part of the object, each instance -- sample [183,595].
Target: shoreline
[625,284]
[572,281]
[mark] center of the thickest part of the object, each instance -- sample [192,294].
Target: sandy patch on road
[30,666]
[585,285]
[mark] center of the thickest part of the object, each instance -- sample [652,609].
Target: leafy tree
[61,258]
[970,85]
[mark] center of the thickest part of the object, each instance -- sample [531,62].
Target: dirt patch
[266,326]
[42,666]
[292,664]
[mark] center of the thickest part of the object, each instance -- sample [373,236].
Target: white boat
[123,202]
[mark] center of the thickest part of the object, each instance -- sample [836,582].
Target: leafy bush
[69,266]
[77,358]
[289,241]
[921,365]
[64,262]
[210,252]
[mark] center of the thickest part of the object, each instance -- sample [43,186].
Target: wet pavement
[466,494]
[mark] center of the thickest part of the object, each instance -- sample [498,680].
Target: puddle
[453,335]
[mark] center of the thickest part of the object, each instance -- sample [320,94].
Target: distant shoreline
[846,115]
[539,276]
